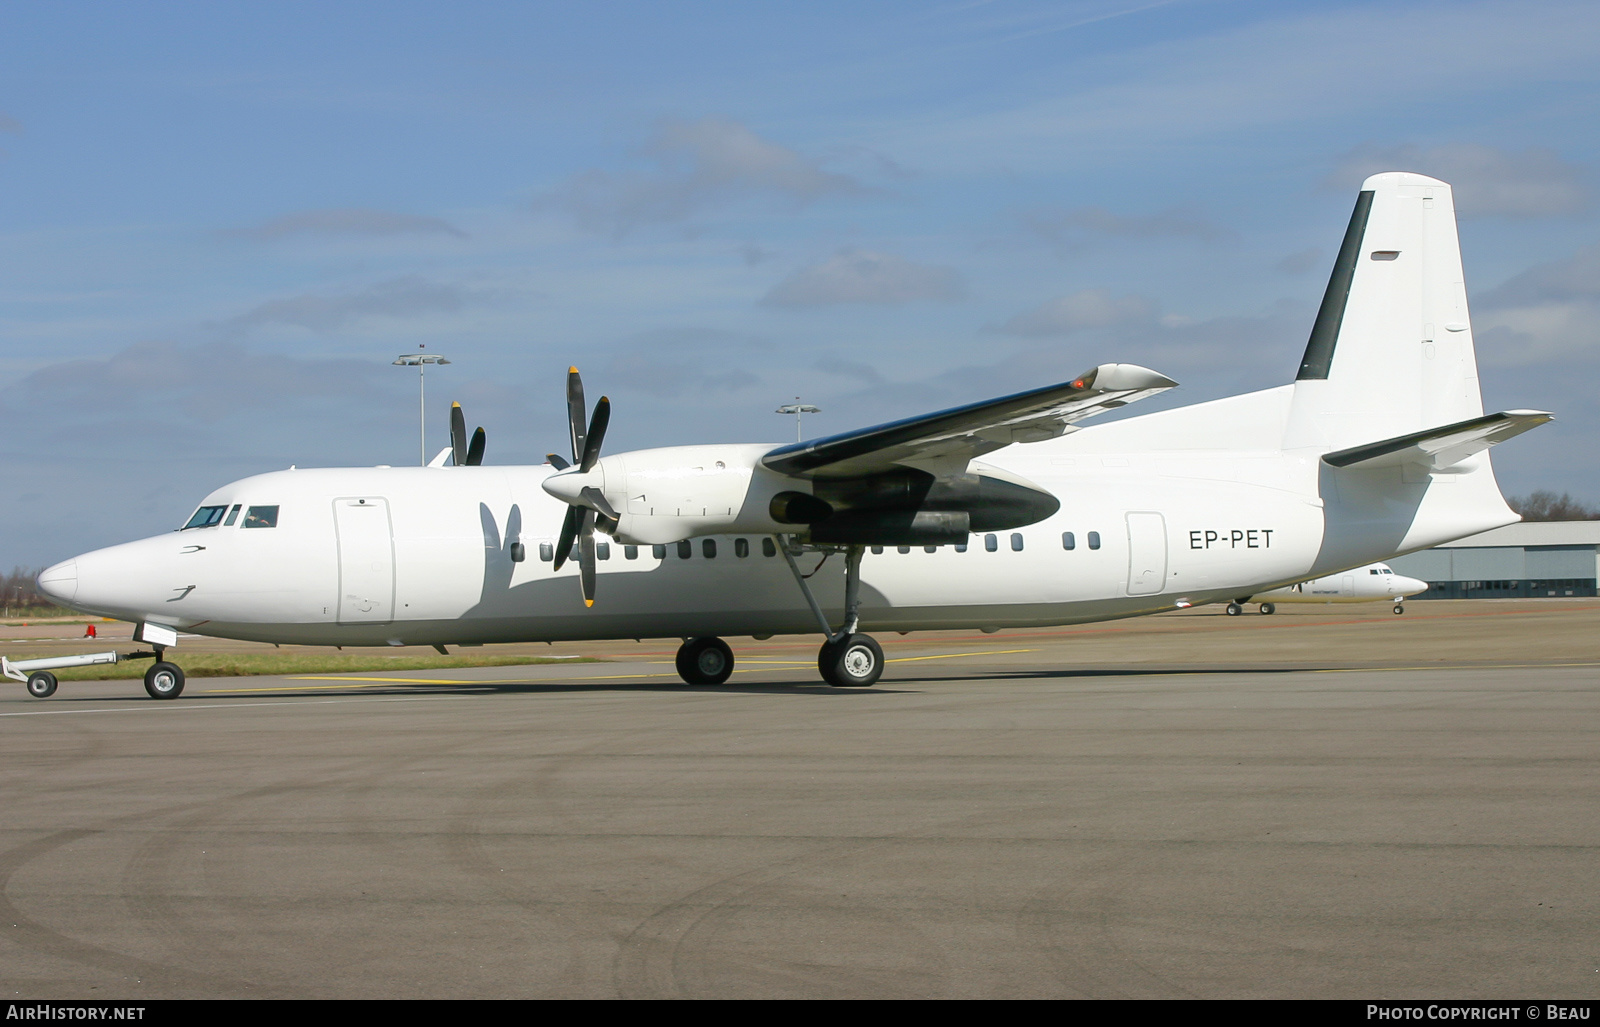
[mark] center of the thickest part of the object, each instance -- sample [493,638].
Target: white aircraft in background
[1005,513]
[1361,585]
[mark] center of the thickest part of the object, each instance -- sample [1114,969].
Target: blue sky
[219,223]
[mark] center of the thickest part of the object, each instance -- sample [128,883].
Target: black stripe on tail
[1325,333]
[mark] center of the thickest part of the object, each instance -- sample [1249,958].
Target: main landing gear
[1237,607]
[704,661]
[848,659]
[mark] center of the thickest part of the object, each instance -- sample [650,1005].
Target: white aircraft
[1004,513]
[1360,585]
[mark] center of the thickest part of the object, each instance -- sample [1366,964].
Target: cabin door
[366,560]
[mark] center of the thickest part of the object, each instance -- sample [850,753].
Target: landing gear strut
[847,659]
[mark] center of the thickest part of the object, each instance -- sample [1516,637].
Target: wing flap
[963,433]
[1438,448]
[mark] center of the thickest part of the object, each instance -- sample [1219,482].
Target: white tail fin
[1391,352]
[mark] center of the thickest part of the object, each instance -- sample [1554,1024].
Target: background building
[1534,558]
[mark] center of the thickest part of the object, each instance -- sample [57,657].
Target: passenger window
[685,549]
[709,547]
[233,515]
[602,550]
[261,517]
[961,547]
[547,551]
[930,549]
[877,550]
[769,547]
[991,543]
[630,552]
[659,552]
[1094,540]
[1016,541]
[741,547]
[902,549]
[1068,541]
[206,517]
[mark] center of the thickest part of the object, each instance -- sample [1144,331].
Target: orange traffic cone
[88,631]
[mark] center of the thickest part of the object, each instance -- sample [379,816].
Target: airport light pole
[797,408]
[421,361]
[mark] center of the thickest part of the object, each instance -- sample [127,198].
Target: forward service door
[366,560]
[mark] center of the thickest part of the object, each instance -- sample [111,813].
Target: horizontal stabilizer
[1438,448]
[967,432]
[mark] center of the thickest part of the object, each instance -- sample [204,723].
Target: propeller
[586,503]
[466,454]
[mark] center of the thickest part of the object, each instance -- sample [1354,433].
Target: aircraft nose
[1411,586]
[60,582]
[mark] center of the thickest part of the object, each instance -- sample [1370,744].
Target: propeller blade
[458,434]
[586,557]
[596,434]
[575,413]
[569,532]
[475,450]
[558,462]
[597,502]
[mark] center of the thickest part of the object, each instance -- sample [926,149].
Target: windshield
[206,517]
[261,517]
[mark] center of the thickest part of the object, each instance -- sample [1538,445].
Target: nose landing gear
[163,680]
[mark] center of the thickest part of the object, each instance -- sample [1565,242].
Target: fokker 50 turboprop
[1005,513]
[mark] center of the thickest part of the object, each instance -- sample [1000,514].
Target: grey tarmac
[1329,802]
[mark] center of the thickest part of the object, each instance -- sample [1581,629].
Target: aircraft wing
[1440,447]
[963,433]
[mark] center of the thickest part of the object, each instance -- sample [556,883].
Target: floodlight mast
[421,361]
[797,408]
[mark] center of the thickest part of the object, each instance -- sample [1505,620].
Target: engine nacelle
[663,495]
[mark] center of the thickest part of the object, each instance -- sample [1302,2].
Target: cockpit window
[261,517]
[206,517]
[233,515]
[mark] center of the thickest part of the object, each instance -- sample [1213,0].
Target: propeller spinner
[574,485]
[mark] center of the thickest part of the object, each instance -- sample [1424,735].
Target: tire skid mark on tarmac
[669,953]
[1077,928]
[149,868]
[29,933]
[466,847]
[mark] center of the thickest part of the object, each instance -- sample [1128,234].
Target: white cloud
[1300,261]
[1091,308]
[1548,314]
[1486,181]
[1304,65]
[698,165]
[861,276]
[404,297]
[347,221]
[1071,230]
